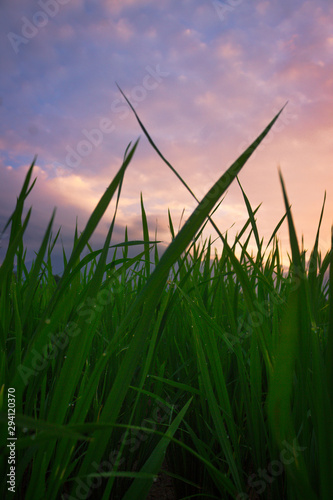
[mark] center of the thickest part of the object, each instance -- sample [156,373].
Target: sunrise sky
[205,77]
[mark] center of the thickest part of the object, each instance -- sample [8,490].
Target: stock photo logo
[31,27]
[224,8]
[94,137]
[258,481]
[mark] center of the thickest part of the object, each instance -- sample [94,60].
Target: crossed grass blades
[213,366]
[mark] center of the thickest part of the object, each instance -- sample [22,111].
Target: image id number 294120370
[11,440]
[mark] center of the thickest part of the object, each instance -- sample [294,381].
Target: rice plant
[214,369]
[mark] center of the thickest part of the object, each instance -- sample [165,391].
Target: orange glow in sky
[205,77]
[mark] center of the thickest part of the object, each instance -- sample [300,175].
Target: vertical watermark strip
[11,475]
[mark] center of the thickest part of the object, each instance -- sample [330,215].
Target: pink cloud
[225,81]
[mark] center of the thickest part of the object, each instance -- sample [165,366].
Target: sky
[205,77]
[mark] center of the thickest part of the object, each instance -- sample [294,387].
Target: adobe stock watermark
[132,438]
[93,138]
[30,27]
[58,342]
[254,320]
[258,481]
[224,8]
[265,308]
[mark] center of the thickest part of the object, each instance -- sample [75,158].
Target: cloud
[222,81]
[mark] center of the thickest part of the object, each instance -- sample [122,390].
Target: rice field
[214,369]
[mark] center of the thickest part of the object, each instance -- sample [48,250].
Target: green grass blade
[292,232]
[251,217]
[40,340]
[280,394]
[248,152]
[329,346]
[140,487]
[145,236]
[34,275]
[16,216]
[6,267]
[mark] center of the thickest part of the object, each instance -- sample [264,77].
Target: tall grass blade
[145,236]
[248,152]
[140,487]
[329,346]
